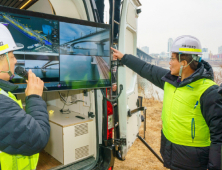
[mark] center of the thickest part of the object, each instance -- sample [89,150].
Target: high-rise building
[145,49]
[205,53]
[220,50]
[170,43]
[204,49]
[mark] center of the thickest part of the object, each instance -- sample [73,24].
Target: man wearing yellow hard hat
[22,134]
[191,136]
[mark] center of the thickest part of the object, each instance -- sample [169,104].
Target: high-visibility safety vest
[183,122]
[17,162]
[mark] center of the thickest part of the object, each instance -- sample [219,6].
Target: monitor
[65,53]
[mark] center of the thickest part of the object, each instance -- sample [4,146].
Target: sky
[164,19]
[70,31]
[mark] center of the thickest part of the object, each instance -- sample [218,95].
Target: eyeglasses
[172,58]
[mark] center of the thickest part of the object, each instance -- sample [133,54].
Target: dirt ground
[139,156]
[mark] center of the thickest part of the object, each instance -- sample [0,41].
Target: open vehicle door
[128,123]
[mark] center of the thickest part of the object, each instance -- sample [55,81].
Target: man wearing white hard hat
[191,136]
[22,134]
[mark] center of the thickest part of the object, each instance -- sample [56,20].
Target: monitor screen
[65,53]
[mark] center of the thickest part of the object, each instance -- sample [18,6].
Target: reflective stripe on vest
[17,162]
[183,122]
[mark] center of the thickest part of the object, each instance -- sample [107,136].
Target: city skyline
[162,19]
[158,22]
[205,50]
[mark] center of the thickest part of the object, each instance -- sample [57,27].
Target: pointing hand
[117,54]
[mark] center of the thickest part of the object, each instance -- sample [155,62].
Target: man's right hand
[34,85]
[114,87]
[117,54]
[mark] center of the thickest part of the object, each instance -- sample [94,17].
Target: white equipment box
[70,137]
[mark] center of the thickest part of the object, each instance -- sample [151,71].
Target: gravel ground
[139,156]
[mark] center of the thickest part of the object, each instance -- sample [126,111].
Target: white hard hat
[7,43]
[186,44]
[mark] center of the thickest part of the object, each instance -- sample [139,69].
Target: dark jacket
[21,132]
[180,157]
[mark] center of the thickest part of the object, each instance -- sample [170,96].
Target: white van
[92,132]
